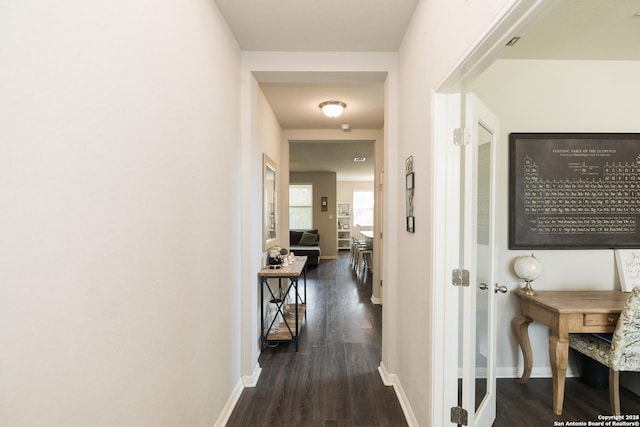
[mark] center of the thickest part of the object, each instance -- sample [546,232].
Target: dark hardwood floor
[333,379]
[529,405]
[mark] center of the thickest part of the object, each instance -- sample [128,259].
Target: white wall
[440,34]
[269,138]
[119,181]
[553,96]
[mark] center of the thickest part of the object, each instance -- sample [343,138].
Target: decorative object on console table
[628,263]
[274,258]
[528,268]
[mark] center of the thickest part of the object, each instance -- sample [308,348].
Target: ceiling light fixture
[332,108]
[359,159]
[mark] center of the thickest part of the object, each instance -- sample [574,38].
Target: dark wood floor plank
[333,379]
[530,404]
[362,385]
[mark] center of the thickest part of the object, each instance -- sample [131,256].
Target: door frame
[447,115]
[289,66]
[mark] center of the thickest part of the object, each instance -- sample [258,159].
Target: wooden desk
[289,329]
[564,312]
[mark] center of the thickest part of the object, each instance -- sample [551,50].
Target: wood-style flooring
[529,405]
[333,379]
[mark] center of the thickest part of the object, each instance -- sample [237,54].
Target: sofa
[306,243]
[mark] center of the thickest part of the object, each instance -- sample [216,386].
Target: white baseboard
[377,301]
[391,380]
[537,372]
[245,381]
[228,407]
[251,380]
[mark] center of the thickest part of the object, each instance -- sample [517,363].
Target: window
[300,206]
[363,208]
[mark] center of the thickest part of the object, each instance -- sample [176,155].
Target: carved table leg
[520,326]
[559,354]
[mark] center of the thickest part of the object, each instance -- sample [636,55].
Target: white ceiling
[569,29]
[318,25]
[296,105]
[582,29]
[337,155]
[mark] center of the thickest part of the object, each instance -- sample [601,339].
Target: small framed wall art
[410,183]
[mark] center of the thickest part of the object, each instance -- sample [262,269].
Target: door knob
[483,286]
[502,289]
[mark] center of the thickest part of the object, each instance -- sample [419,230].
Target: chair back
[625,344]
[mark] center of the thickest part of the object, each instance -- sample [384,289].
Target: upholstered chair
[621,353]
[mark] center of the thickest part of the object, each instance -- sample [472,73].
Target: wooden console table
[564,312]
[292,313]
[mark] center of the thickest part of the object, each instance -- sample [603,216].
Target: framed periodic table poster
[574,190]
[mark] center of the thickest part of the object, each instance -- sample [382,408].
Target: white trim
[445,229]
[513,17]
[288,66]
[537,372]
[246,381]
[250,381]
[392,380]
[376,301]
[228,407]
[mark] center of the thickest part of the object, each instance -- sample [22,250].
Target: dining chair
[621,353]
[364,259]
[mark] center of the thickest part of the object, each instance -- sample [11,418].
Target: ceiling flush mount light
[359,159]
[332,108]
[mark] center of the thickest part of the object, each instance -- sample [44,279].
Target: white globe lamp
[528,268]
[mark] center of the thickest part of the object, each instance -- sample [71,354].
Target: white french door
[477,340]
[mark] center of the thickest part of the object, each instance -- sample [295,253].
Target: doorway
[292,70]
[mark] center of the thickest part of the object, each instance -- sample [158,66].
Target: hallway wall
[119,180]
[552,96]
[441,33]
[324,185]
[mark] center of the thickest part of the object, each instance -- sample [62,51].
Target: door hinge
[462,136]
[460,277]
[459,416]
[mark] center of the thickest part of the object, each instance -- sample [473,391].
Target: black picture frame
[411,225]
[410,181]
[409,184]
[574,190]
